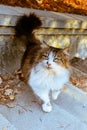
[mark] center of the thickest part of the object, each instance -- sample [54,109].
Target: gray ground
[69,112]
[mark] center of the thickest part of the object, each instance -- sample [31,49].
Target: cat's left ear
[44,45]
[66,51]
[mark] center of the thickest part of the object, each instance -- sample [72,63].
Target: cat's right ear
[66,51]
[44,45]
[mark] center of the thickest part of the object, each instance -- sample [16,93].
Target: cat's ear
[66,51]
[44,45]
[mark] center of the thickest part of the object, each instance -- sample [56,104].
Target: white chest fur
[48,79]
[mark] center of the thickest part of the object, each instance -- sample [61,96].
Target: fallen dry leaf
[80,82]
[10,86]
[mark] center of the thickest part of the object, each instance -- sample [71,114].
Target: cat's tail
[26,24]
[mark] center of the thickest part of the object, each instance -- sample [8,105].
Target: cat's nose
[48,64]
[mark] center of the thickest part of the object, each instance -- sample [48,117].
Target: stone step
[5,124]
[74,101]
[69,111]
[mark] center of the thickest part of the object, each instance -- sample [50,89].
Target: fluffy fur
[45,68]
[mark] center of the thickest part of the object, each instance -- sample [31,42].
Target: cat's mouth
[48,67]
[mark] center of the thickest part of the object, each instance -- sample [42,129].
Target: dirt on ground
[79,73]
[10,86]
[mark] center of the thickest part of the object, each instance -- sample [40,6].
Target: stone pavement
[5,124]
[69,112]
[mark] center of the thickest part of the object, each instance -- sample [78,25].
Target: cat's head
[51,57]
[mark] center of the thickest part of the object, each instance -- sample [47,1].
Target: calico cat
[45,68]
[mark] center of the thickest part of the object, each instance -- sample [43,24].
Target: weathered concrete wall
[10,53]
[59,30]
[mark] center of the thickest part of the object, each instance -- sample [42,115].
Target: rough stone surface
[5,124]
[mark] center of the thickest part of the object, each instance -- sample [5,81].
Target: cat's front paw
[55,94]
[47,107]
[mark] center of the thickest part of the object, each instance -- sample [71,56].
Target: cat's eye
[45,57]
[55,59]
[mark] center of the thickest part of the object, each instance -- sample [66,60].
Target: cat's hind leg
[55,94]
